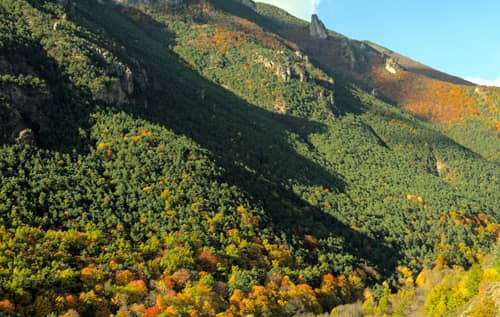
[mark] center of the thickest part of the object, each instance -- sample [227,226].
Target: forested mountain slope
[185,159]
[468,113]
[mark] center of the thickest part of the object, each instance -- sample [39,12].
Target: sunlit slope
[468,113]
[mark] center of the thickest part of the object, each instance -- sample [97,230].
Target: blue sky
[460,37]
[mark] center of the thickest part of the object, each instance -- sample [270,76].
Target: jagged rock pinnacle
[317,29]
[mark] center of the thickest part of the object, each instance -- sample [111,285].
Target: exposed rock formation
[124,80]
[348,53]
[118,89]
[111,93]
[317,29]
[25,136]
[287,70]
[56,26]
[120,84]
[303,75]
[391,66]
[283,72]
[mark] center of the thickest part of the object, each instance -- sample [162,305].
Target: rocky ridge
[317,29]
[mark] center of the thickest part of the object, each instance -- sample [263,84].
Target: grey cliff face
[317,29]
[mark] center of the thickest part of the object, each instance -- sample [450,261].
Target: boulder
[317,29]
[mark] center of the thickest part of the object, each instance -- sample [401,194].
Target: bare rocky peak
[317,29]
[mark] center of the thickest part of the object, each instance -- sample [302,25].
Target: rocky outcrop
[124,75]
[317,29]
[368,50]
[119,88]
[288,69]
[123,80]
[302,74]
[391,66]
[355,55]
[56,26]
[111,92]
[348,53]
[25,136]
[283,72]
